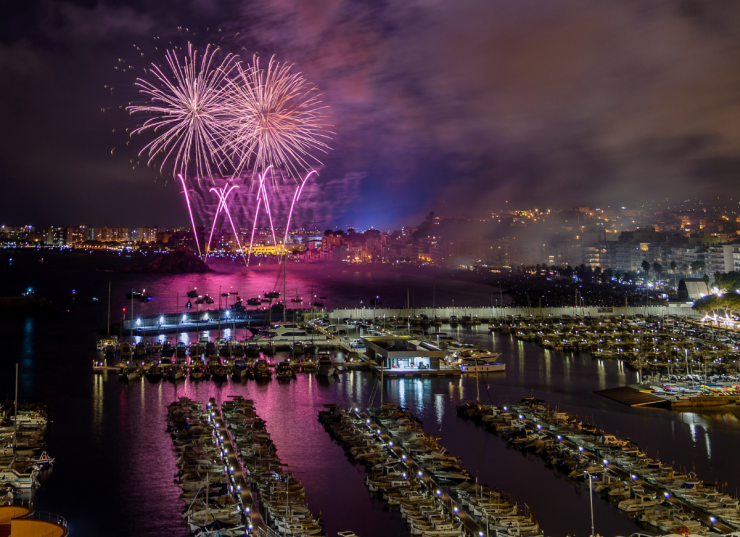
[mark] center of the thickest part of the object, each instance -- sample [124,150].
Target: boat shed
[398,353]
[691,289]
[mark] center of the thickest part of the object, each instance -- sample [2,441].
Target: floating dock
[631,397]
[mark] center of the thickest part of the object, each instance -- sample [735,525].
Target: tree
[674,266]
[697,265]
[628,277]
[658,268]
[607,275]
[646,268]
[706,280]
[684,268]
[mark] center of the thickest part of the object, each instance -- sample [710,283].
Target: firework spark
[189,110]
[276,119]
[190,211]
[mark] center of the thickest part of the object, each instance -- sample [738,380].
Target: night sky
[451,106]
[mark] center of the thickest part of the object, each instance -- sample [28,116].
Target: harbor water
[115,464]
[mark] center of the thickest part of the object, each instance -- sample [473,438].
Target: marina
[124,417]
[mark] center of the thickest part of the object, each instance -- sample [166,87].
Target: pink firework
[189,113]
[276,119]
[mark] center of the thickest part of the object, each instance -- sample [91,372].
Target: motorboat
[299,348]
[219,373]
[479,362]
[239,370]
[325,365]
[198,372]
[15,478]
[154,373]
[289,333]
[254,301]
[193,293]
[175,372]
[133,373]
[284,371]
[262,370]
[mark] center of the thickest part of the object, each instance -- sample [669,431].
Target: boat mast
[15,409]
[285,298]
[132,316]
[108,309]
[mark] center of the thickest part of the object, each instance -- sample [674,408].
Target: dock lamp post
[591,498]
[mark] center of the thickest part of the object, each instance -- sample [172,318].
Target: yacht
[479,362]
[197,372]
[13,477]
[325,365]
[283,371]
[154,374]
[262,370]
[175,372]
[239,370]
[289,333]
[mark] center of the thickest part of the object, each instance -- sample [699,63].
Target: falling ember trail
[190,212]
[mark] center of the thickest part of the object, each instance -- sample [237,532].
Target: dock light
[580,449]
[138,321]
[521,417]
[560,437]
[250,527]
[390,444]
[184,317]
[232,468]
[248,510]
[357,409]
[634,477]
[667,494]
[404,457]
[420,474]
[456,509]
[439,493]
[368,422]
[161,320]
[606,462]
[238,488]
[379,431]
[404,475]
[539,427]
[712,519]
[506,408]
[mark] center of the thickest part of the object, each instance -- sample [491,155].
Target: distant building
[691,289]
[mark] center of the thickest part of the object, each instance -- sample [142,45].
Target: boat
[132,373]
[318,304]
[18,480]
[289,333]
[283,371]
[272,294]
[254,301]
[208,299]
[296,299]
[175,372]
[298,348]
[479,362]
[262,370]
[239,370]
[219,373]
[154,373]
[142,296]
[193,293]
[198,372]
[325,365]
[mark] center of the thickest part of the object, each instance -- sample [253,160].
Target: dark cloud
[446,106]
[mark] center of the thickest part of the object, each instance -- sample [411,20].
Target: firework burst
[189,113]
[276,119]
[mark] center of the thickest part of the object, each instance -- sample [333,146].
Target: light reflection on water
[115,461]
